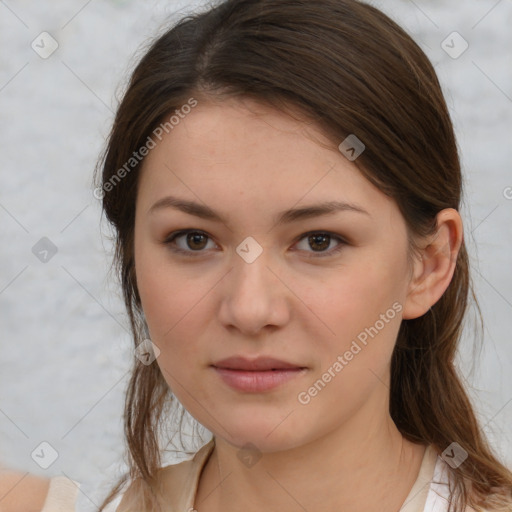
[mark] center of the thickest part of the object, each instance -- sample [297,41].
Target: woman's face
[262,283]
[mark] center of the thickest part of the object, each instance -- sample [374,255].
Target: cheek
[364,311]
[167,298]
[174,305]
[161,288]
[357,297]
[362,308]
[171,307]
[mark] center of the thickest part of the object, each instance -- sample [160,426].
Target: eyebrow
[284,217]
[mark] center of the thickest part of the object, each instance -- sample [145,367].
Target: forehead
[238,129]
[246,152]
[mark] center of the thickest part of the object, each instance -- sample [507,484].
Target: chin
[265,436]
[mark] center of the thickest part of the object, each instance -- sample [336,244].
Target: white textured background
[64,340]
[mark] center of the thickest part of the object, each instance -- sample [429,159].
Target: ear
[433,269]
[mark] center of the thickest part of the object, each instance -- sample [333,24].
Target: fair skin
[248,163]
[22,492]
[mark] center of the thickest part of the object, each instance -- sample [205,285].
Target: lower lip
[257,381]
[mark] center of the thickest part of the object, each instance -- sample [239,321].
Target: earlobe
[433,269]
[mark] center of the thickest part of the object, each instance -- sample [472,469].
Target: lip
[262,363]
[256,375]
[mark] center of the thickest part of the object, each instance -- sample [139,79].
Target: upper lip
[260,363]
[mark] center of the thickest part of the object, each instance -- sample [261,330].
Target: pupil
[194,237]
[316,237]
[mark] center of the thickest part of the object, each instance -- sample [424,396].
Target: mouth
[259,364]
[256,375]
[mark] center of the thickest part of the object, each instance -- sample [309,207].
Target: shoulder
[22,492]
[440,491]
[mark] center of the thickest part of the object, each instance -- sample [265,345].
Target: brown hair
[350,69]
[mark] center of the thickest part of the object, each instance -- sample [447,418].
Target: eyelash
[193,254]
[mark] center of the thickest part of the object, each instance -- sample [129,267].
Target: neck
[366,464]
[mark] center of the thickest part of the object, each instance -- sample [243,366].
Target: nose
[254,298]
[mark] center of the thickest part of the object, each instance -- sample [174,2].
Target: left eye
[322,240]
[196,241]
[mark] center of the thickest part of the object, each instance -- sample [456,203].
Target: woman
[284,183]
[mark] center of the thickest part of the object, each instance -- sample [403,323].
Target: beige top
[428,493]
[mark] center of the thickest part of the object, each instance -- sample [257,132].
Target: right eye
[193,243]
